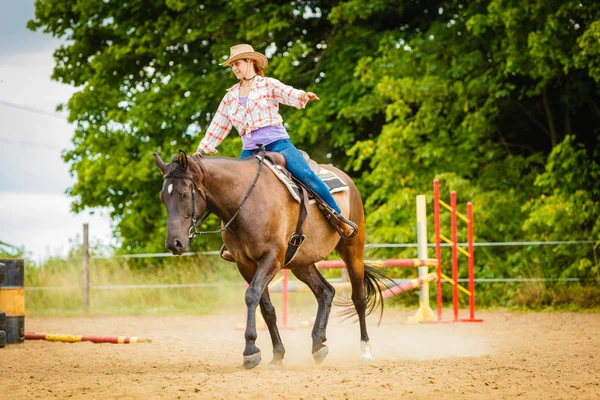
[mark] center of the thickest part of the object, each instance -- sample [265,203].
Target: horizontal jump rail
[400,262]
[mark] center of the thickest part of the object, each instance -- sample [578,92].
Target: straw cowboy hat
[244,52]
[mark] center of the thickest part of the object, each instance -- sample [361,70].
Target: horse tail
[374,279]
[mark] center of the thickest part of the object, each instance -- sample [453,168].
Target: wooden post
[86,269]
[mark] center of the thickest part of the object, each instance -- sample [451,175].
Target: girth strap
[297,237]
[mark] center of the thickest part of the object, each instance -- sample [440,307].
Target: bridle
[193,232]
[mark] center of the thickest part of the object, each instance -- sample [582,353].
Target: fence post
[86,269]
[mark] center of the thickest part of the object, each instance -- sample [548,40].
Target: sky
[34,209]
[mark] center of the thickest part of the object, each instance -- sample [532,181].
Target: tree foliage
[497,98]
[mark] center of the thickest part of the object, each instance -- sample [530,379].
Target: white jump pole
[424,313]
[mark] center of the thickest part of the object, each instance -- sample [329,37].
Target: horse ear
[183,159]
[160,163]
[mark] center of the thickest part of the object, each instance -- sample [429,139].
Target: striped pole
[53,337]
[410,285]
[454,254]
[438,245]
[471,256]
[284,297]
[396,262]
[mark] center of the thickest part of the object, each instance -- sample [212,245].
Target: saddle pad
[331,180]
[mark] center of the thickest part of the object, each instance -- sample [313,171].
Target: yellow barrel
[12,298]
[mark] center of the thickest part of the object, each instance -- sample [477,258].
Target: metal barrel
[12,298]
[2,329]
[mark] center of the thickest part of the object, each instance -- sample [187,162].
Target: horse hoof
[320,354]
[252,361]
[365,351]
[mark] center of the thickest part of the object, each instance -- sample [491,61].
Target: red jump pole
[470,240]
[471,261]
[394,262]
[454,255]
[438,246]
[284,297]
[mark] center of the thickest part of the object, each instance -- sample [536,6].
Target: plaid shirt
[263,110]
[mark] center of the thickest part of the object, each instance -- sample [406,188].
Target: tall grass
[111,282]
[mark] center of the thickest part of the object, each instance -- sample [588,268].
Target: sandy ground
[510,355]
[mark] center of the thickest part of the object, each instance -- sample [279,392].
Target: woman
[251,106]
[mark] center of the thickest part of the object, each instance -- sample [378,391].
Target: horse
[259,216]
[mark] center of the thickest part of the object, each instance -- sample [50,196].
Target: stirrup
[340,220]
[225,254]
[336,219]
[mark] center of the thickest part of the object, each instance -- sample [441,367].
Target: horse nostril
[176,246]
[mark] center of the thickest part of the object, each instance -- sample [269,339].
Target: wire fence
[221,284]
[372,245]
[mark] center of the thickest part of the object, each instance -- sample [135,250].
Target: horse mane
[195,170]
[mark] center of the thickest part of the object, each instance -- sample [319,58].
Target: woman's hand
[309,96]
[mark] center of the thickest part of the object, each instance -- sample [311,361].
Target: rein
[193,232]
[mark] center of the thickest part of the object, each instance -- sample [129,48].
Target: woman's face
[240,68]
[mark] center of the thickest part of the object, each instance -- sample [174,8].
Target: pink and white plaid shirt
[262,110]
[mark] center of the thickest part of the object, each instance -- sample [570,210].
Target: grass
[63,295]
[222,289]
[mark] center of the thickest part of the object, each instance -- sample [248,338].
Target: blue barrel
[12,298]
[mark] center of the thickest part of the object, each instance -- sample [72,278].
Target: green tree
[477,93]
[483,92]
[568,209]
[148,80]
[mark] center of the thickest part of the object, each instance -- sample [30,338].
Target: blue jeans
[298,167]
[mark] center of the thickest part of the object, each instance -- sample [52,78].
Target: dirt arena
[510,355]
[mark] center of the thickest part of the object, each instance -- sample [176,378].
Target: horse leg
[265,272]
[324,294]
[352,254]
[268,312]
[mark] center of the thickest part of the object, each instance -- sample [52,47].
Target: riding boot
[225,254]
[346,228]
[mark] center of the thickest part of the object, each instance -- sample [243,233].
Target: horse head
[183,197]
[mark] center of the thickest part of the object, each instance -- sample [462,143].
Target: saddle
[305,196]
[345,228]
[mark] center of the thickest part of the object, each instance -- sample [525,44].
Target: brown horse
[257,236]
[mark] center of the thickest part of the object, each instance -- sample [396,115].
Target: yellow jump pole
[424,313]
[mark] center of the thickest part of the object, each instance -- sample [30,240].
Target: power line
[33,110]
[29,144]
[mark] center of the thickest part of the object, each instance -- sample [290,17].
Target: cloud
[34,211]
[14,35]
[44,225]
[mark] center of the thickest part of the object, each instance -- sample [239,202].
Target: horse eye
[185,195]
